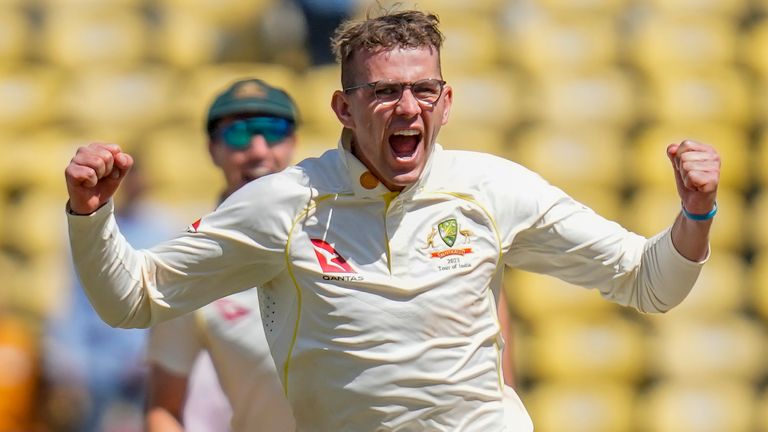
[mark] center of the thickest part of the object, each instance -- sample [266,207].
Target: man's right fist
[94,174]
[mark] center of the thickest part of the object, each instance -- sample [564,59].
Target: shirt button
[368,180]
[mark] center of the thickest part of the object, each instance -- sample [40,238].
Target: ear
[447,103]
[340,106]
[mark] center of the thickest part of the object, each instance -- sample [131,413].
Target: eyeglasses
[238,134]
[427,91]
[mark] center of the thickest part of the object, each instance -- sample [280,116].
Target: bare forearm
[697,175]
[691,238]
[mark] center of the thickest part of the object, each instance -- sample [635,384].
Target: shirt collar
[364,183]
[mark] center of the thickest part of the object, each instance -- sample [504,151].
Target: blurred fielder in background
[251,133]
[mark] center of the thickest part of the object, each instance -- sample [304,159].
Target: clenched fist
[697,174]
[94,174]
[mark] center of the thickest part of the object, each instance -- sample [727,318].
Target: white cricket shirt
[385,302]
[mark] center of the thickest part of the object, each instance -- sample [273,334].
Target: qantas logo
[330,261]
[195,225]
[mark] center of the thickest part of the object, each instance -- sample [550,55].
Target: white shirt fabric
[206,408]
[385,302]
[230,331]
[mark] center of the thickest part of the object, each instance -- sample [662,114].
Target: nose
[408,105]
[258,148]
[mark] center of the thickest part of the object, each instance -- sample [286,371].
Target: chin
[406,179]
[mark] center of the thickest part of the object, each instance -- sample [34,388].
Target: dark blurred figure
[95,374]
[322,17]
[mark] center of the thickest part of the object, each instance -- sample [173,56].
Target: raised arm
[697,175]
[225,252]
[568,240]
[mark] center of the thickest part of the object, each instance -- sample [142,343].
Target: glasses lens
[236,135]
[388,91]
[273,129]
[427,90]
[239,133]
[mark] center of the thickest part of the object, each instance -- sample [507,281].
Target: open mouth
[404,143]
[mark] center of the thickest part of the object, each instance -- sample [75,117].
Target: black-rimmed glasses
[427,91]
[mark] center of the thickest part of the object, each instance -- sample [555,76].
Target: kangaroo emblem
[466,233]
[431,239]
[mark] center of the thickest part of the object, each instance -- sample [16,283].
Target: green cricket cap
[252,96]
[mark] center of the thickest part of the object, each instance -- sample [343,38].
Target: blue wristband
[700,216]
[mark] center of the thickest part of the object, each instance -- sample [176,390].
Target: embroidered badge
[449,231]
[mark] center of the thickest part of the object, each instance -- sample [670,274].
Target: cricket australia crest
[449,231]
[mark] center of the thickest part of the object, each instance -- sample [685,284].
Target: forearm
[109,269]
[663,279]
[691,237]
[697,175]
[166,397]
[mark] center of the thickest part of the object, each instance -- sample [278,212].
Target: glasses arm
[359,86]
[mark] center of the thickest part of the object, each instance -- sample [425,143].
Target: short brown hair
[404,29]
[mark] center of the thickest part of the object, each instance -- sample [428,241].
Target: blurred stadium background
[586,92]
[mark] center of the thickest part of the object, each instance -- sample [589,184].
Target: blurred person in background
[385,256]
[251,128]
[321,18]
[95,374]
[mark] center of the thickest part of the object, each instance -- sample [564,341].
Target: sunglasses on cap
[238,134]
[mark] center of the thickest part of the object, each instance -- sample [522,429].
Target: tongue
[403,145]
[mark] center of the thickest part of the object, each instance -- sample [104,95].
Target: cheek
[372,117]
[282,157]
[229,161]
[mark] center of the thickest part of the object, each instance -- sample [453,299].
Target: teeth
[409,132]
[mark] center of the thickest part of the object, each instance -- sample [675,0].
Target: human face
[393,140]
[258,158]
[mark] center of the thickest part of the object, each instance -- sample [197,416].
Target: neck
[361,158]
